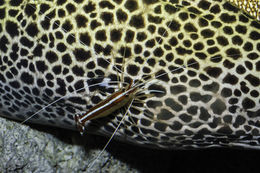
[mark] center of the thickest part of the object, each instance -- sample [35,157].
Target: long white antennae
[91,165]
[63,98]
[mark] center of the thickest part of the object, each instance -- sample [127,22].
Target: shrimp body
[104,108]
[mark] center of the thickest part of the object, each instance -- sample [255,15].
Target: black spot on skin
[177,89]
[239,121]
[81,55]
[79,85]
[233,53]
[226,92]
[145,122]
[176,126]
[27,78]
[106,4]
[151,28]
[231,79]
[249,65]
[15,2]
[253,56]
[173,105]
[257,66]
[160,126]
[61,13]
[40,83]
[158,52]
[213,71]
[70,8]
[213,87]
[207,33]
[107,18]
[32,29]
[61,89]
[133,70]
[44,8]
[173,41]
[170,9]
[228,64]
[213,50]
[255,81]
[151,62]
[77,100]
[101,35]
[254,35]
[26,42]
[225,130]
[103,63]
[137,21]
[237,40]
[81,21]
[3,44]
[121,15]
[203,22]
[78,71]
[161,93]
[115,35]
[182,51]
[61,2]
[131,5]
[91,65]
[141,36]
[67,26]
[51,57]
[12,28]
[183,16]
[215,9]
[185,117]
[230,7]
[153,104]
[37,51]
[183,99]
[61,47]
[138,49]
[189,27]
[155,20]
[193,110]
[228,30]
[241,29]
[204,5]
[30,9]
[174,25]
[94,24]
[150,1]
[15,84]
[57,69]
[41,66]
[218,107]
[66,59]
[226,18]
[240,69]
[204,114]
[162,75]
[216,24]
[129,36]
[90,7]
[194,83]
[194,10]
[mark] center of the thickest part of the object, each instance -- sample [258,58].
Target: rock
[47,149]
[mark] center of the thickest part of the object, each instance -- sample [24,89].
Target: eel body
[202,57]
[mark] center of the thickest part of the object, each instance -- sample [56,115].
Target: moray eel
[202,55]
